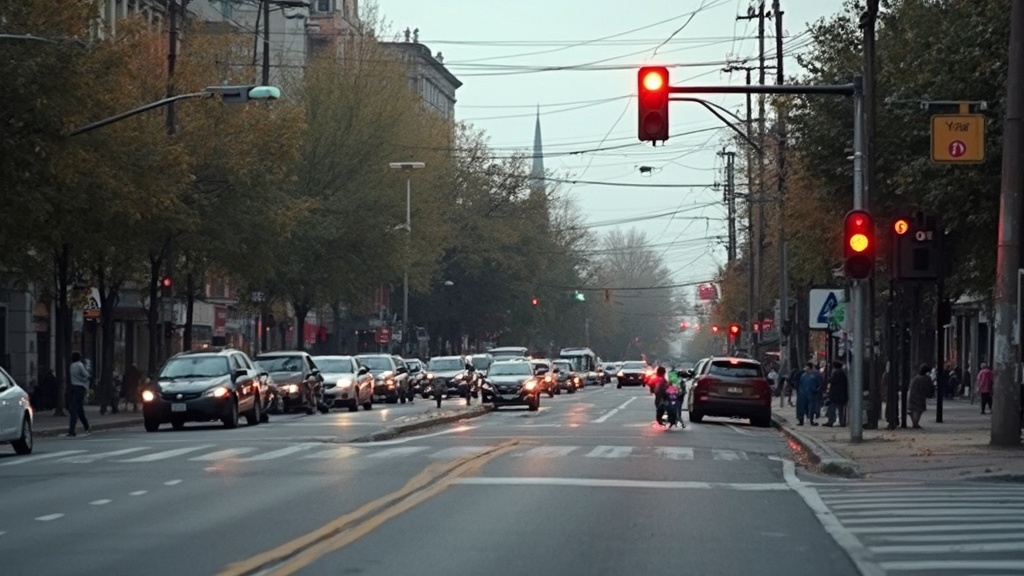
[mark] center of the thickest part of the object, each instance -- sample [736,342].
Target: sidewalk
[956,449]
[46,424]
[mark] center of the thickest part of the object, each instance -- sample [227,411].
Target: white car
[15,415]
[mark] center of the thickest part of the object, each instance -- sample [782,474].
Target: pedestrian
[659,385]
[953,384]
[49,389]
[130,387]
[920,388]
[807,392]
[985,380]
[773,379]
[838,395]
[76,394]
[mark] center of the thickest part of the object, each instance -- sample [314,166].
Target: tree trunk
[153,314]
[301,311]
[190,302]
[62,324]
[339,346]
[108,301]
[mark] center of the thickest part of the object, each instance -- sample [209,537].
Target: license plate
[735,390]
[178,407]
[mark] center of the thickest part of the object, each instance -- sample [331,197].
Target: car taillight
[704,383]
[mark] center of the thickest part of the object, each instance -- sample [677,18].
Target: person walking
[806,394]
[76,394]
[985,380]
[660,387]
[920,388]
[838,395]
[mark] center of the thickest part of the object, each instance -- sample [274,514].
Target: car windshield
[413,365]
[634,366]
[511,369]
[564,365]
[735,369]
[444,364]
[336,365]
[377,363]
[195,367]
[280,363]
[481,362]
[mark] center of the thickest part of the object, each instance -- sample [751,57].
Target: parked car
[15,415]
[391,378]
[346,383]
[417,375]
[206,385]
[292,371]
[512,383]
[731,387]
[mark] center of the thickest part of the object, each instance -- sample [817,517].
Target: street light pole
[408,167]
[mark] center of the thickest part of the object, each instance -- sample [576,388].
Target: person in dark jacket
[807,391]
[920,388]
[838,395]
[660,388]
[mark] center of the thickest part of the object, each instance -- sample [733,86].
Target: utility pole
[730,203]
[1006,392]
[266,42]
[867,23]
[784,341]
[166,306]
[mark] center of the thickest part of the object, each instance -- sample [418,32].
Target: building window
[323,5]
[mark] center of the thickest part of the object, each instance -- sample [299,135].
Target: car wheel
[151,424]
[264,416]
[354,405]
[177,424]
[619,385]
[230,419]
[368,405]
[696,416]
[253,417]
[23,445]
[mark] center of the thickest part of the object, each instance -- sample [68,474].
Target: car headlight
[530,384]
[217,392]
[345,383]
[148,396]
[487,385]
[430,376]
[621,374]
[290,388]
[391,383]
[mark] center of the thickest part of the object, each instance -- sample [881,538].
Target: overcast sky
[588,107]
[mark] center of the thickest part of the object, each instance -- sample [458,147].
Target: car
[346,383]
[544,370]
[632,373]
[443,371]
[482,362]
[566,378]
[512,383]
[731,387]
[508,352]
[291,372]
[417,375]
[610,369]
[204,386]
[16,415]
[391,378]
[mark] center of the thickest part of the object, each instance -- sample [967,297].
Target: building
[427,75]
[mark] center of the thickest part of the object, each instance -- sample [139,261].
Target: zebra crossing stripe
[675,452]
[274,454]
[167,454]
[222,454]
[337,453]
[610,452]
[459,452]
[728,455]
[397,452]
[89,458]
[548,452]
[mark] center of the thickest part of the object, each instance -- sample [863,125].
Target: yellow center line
[305,549]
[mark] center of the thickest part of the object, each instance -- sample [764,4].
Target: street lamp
[408,167]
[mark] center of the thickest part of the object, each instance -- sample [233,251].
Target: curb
[828,460]
[96,427]
[394,431]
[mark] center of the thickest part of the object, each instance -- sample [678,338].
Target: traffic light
[652,89]
[734,331]
[534,301]
[918,247]
[714,328]
[165,285]
[858,244]
[683,326]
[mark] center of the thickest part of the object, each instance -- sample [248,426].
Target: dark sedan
[512,383]
[203,387]
[631,374]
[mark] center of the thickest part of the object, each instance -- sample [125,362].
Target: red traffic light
[858,244]
[714,328]
[166,282]
[734,329]
[534,301]
[652,88]
[684,325]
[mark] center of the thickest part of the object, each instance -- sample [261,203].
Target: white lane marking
[954,538]
[933,503]
[613,411]
[957,527]
[547,452]
[610,483]
[138,493]
[917,491]
[945,565]
[412,438]
[49,517]
[167,454]
[979,548]
[343,452]
[728,455]
[738,429]
[966,523]
[610,452]
[89,458]
[675,452]
[860,555]
[396,452]
[280,453]
[222,454]
[980,500]
[459,452]
[911,515]
[172,482]
[100,502]
[27,459]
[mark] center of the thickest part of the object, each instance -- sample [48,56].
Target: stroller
[670,404]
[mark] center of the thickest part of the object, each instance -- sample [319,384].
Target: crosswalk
[326,451]
[937,530]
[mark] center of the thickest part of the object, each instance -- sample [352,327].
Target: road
[586,485]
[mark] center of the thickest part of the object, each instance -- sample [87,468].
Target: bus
[584,362]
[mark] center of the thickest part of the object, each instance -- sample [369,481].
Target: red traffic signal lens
[165,282]
[901,226]
[734,329]
[714,329]
[534,301]
[653,89]
[654,80]
[859,242]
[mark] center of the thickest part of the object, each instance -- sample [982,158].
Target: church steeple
[537,171]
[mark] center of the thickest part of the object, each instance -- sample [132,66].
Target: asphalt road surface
[585,486]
